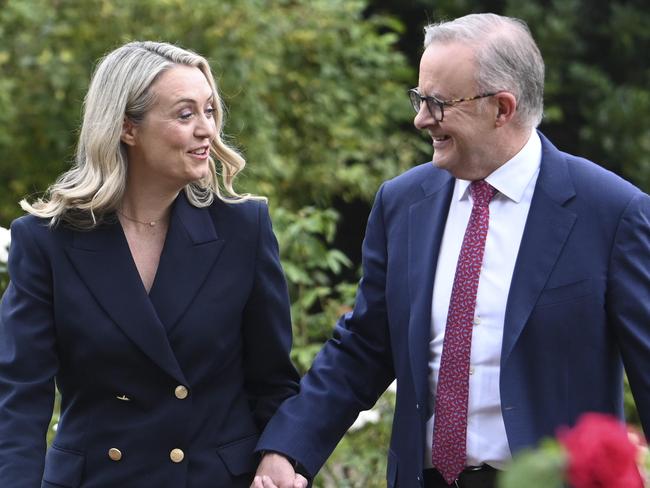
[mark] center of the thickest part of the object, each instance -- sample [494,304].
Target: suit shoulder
[251,205]
[414,184]
[33,247]
[596,182]
[246,212]
[412,177]
[37,228]
[30,222]
[410,182]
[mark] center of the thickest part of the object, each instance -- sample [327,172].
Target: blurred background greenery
[316,97]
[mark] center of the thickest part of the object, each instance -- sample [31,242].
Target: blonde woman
[150,290]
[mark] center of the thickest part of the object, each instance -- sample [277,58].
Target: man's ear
[128,132]
[507,106]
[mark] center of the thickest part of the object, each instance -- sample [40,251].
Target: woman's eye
[209,112]
[185,115]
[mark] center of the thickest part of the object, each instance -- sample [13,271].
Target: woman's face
[171,145]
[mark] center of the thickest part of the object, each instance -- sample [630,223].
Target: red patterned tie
[449,450]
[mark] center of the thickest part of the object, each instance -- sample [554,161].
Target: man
[504,285]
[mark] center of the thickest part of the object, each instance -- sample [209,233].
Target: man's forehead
[452,55]
[447,69]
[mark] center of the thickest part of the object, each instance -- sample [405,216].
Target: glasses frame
[414,95]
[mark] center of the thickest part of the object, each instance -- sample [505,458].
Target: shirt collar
[512,178]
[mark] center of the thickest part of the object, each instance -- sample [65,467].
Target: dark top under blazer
[216,321]
[579,302]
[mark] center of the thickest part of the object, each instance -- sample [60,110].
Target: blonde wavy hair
[120,87]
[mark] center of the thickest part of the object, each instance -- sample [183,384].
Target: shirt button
[477,320]
[471,370]
[114,454]
[417,406]
[176,455]
[181,392]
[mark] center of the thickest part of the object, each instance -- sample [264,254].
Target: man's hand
[275,471]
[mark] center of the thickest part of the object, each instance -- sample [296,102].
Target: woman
[150,290]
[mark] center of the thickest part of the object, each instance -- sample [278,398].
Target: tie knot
[481,192]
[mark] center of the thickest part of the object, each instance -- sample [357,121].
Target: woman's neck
[147,206]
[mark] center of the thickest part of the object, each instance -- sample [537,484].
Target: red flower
[600,454]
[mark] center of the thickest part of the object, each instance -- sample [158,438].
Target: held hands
[275,471]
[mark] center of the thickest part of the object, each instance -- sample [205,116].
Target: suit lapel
[190,251]
[104,262]
[547,228]
[426,226]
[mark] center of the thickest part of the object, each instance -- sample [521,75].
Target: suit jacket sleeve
[628,300]
[350,372]
[270,375]
[28,361]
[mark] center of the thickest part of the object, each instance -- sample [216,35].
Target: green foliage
[4,277]
[309,264]
[54,422]
[359,460]
[631,413]
[321,103]
[543,468]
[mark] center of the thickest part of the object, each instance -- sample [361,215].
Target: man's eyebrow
[434,94]
[439,96]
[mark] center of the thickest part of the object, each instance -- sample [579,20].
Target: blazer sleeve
[628,299]
[349,374]
[270,376]
[28,360]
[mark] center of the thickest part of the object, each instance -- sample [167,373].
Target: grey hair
[507,58]
[120,87]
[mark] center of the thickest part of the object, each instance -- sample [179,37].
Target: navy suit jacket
[579,303]
[216,321]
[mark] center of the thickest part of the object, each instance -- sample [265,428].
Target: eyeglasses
[437,107]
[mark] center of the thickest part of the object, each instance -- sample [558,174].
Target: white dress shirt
[515,183]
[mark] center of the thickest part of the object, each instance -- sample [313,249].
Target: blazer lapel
[104,262]
[547,229]
[426,226]
[191,249]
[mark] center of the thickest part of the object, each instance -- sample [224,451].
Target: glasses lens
[416,101]
[434,109]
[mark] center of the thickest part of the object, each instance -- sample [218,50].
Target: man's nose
[423,118]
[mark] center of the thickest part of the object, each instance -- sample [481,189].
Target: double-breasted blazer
[166,389]
[578,309]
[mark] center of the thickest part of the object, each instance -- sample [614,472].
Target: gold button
[176,455]
[181,392]
[115,454]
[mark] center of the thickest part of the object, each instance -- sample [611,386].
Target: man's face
[463,143]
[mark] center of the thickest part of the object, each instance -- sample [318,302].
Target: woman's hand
[275,471]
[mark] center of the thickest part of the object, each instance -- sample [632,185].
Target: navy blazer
[216,324]
[579,302]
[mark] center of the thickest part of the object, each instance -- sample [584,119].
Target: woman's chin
[197,174]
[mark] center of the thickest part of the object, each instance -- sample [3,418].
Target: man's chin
[453,169]
[440,163]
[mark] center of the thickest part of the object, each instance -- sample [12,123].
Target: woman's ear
[507,106]
[128,132]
